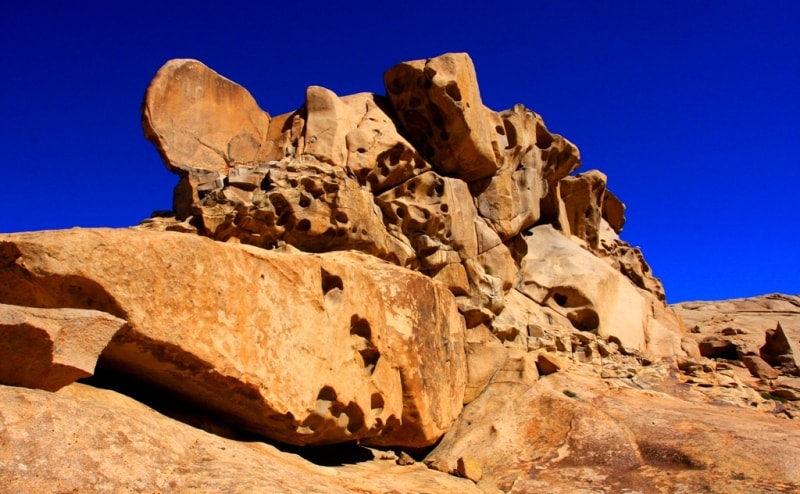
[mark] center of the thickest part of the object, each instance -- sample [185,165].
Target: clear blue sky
[691,108]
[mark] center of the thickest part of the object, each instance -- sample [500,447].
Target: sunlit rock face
[427,178]
[410,272]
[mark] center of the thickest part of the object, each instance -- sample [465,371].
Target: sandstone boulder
[439,106]
[299,348]
[200,121]
[51,348]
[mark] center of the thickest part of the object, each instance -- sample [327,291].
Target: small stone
[759,368]
[547,363]
[404,459]
[469,468]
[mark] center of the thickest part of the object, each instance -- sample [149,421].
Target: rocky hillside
[406,292]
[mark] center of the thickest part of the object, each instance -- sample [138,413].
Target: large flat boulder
[304,349]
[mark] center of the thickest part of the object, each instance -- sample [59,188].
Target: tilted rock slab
[51,348]
[299,348]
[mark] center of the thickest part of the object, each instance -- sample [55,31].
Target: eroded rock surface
[83,439]
[427,178]
[385,271]
[298,348]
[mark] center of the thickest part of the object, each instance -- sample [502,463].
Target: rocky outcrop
[570,433]
[414,273]
[757,338]
[301,349]
[427,178]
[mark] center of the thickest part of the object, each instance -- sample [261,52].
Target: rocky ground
[399,293]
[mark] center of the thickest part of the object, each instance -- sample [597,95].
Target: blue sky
[690,108]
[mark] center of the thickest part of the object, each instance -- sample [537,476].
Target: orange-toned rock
[201,121]
[439,106]
[557,273]
[299,348]
[83,439]
[51,348]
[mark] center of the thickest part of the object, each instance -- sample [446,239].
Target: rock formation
[371,281]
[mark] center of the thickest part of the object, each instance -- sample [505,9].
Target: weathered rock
[548,363]
[343,350]
[485,356]
[613,211]
[469,468]
[625,440]
[439,106]
[759,368]
[51,348]
[583,196]
[594,297]
[83,439]
[780,348]
[201,121]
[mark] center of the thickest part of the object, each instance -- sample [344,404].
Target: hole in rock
[304,202]
[303,225]
[376,401]
[360,327]
[341,217]
[355,417]
[330,281]
[584,319]
[665,456]
[511,132]
[327,393]
[560,299]
[543,138]
[370,356]
[452,90]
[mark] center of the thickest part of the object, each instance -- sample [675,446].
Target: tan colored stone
[485,356]
[328,121]
[199,120]
[433,212]
[469,468]
[569,431]
[548,363]
[377,154]
[83,439]
[51,348]
[759,368]
[593,296]
[439,105]
[346,349]
[582,196]
[613,211]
